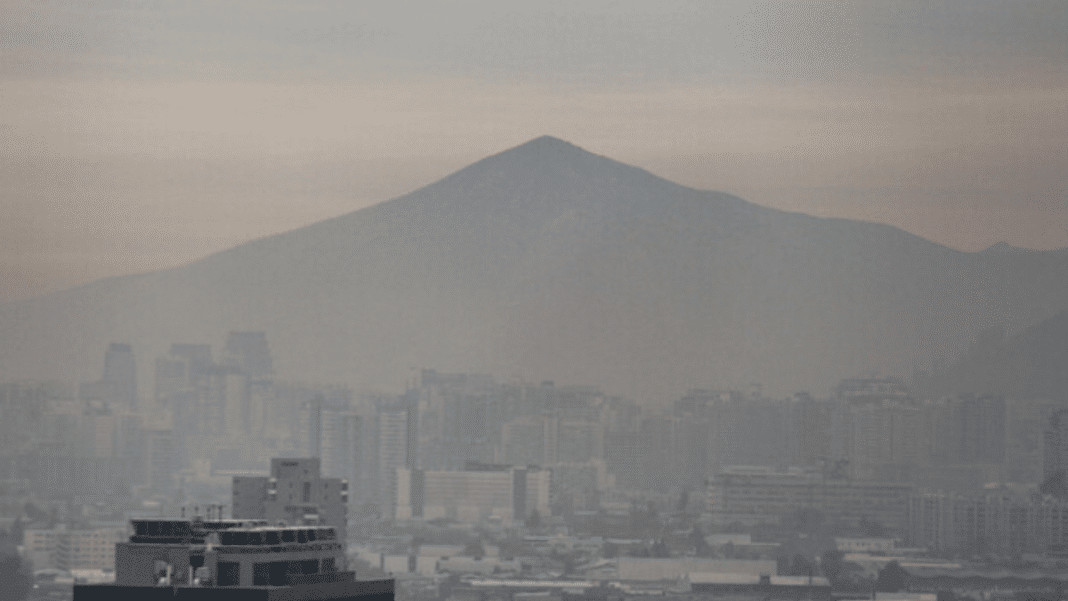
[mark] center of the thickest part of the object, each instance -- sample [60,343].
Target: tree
[892,578]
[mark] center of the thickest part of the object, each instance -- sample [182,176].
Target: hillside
[551,262]
[1033,364]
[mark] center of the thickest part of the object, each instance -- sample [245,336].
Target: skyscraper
[1055,449]
[120,368]
[249,352]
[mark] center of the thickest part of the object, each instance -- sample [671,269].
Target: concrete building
[1055,447]
[999,522]
[753,495]
[232,553]
[864,545]
[295,493]
[393,453]
[39,546]
[121,369]
[249,352]
[455,418]
[771,588]
[663,569]
[87,549]
[481,492]
[73,549]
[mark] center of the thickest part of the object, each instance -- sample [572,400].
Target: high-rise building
[120,368]
[183,381]
[343,447]
[627,455]
[161,450]
[392,451]
[884,434]
[1055,448]
[249,352]
[456,418]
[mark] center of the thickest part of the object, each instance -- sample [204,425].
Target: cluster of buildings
[954,474]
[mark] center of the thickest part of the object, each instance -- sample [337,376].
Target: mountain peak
[546,146]
[1004,248]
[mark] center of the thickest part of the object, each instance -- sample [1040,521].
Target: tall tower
[120,368]
[249,351]
[1055,451]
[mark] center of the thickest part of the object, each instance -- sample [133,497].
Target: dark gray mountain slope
[552,262]
[1032,364]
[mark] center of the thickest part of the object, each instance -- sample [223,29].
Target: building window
[229,573]
[307,492]
[261,574]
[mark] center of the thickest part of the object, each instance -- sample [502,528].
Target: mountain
[551,262]
[1032,364]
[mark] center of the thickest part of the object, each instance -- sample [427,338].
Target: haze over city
[474,301]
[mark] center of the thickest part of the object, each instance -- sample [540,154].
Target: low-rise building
[662,569]
[480,493]
[39,546]
[810,588]
[73,549]
[864,545]
[87,549]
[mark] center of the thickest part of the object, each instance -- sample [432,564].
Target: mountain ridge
[551,261]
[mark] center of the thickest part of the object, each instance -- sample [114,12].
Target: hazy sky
[145,134]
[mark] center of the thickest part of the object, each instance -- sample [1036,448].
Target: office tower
[249,352]
[162,457]
[660,429]
[341,445]
[809,430]
[99,430]
[627,455]
[525,441]
[579,441]
[314,414]
[392,438]
[982,428]
[1026,421]
[885,436]
[1055,450]
[120,368]
[183,380]
[456,418]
